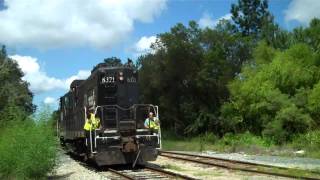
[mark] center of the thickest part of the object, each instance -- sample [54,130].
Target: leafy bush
[288,121]
[27,149]
[270,97]
[245,139]
[313,102]
[11,113]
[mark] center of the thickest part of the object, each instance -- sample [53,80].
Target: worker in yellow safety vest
[92,123]
[152,123]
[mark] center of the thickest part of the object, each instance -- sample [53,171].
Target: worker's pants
[92,138]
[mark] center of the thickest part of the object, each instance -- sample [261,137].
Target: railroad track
[243,166]
[145,172]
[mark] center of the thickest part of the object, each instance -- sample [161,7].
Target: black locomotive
[112,94]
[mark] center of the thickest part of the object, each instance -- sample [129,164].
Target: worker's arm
[156,120]
[98,122]
[146,123]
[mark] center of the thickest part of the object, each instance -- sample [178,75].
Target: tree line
[246,74]
[15,96]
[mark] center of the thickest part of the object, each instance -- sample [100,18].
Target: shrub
[245,139]
[313,102]
[27,150]
[11,113]
[277,98]
[288,121]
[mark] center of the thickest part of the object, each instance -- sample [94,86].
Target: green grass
[198,143]
[27,149]
[310,142]
[207,173]
[191,144]
[291,172]
[173,167]
[245,142]
[229,143]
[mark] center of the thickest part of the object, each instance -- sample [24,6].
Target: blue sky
[55,42]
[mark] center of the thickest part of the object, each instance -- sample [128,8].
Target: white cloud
[39,80]
[98,23]
[143,45]
[302,10]
[50,100]
[82,74]
[207,21]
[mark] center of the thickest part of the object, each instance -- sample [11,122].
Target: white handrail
[131,107]
[155,109]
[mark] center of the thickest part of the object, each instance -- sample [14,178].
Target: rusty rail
[121,174]
[148,172]
[172,174]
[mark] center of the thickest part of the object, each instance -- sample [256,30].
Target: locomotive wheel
[62,143]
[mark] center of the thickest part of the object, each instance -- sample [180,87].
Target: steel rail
[146,168]
[172,174]
[121,174]
[172,155]
[234,161]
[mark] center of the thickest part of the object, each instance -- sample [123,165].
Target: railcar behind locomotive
[112,94]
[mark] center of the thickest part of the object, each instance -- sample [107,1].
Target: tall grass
[208,141]
[196,143]
[27,148]
[310,142]
[246,142]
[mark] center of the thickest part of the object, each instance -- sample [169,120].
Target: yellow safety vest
[151,123]
[87,125]
[96,123]
[91,124]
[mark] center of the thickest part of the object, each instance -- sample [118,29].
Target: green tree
[15,97]
[113,61]
[276,37]
[188,73]
[267,97]
[251,16]
[313,104]
[309,35]
[169,74]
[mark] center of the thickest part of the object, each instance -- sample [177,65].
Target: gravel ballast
[68,168]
